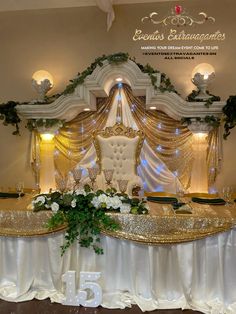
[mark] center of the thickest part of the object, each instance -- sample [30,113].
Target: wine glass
[122,185]
[61,182]
[93,172]
[77,175]
[179,192]
[227,193]
[108,174]
[20,188]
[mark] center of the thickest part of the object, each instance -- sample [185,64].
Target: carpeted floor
[46,307]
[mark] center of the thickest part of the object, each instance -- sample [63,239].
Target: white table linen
[200,275]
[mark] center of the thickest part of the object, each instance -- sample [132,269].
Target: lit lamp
[42,81]
[47,137]
[202,75]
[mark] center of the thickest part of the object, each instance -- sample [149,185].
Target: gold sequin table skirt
[159,227]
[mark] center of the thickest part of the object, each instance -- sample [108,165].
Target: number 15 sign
[87,281]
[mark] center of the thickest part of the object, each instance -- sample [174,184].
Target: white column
[199,178]
[47,169]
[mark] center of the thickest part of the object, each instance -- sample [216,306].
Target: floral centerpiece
[84,213]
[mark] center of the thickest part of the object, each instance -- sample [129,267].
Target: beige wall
[65,41]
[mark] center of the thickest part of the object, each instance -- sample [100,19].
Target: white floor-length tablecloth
[200,275]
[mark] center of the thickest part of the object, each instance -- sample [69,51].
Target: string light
[144,120]
[159,126]
[177,131]
[144,162]
[132,107]
[159,148]
[159,168]
[212,190]
[56,152]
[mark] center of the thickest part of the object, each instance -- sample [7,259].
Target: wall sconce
[202,75]
[42,81]
[47,137]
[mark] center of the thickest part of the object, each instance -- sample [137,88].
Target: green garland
[9,115]
[229,111]
[34,124]
[210,120]
[192,98]
[118,58]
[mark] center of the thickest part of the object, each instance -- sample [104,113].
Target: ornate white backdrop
[154,173]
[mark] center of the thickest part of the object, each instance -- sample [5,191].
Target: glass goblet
[122,185]
[180,193]
[227,194]
[93,172]
[61,183]
[20,188]
[77,175]
[108,174]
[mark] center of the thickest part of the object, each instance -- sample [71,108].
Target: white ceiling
[16,5]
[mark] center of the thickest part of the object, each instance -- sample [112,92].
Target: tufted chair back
[118,148]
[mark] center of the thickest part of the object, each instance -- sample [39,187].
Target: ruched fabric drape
[199,274]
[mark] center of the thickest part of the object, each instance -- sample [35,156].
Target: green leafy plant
[112,59]
[33,124]
[9,115]
[210,120]
[118,58]
[8,112]
[84,213]
[229,111]
[192,98]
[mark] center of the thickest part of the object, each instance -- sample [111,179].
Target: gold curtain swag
[169,139]
[76,137]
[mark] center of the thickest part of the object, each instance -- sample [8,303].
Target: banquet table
[157,261]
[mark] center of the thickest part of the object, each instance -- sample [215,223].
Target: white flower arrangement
[77,208]
[105,200]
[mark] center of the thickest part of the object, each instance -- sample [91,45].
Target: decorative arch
[99,84]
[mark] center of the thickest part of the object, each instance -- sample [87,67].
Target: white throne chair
[118,147]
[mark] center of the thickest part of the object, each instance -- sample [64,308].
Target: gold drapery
[214,156]
[75,138]
[169,139]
